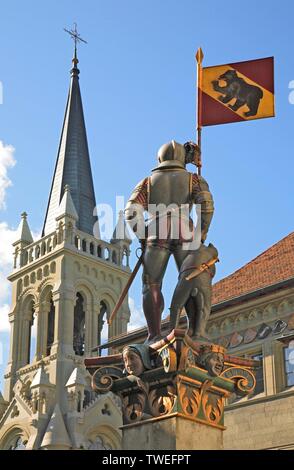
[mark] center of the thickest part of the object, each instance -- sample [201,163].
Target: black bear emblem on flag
[237,88]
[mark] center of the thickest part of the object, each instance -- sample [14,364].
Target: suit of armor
[168,196]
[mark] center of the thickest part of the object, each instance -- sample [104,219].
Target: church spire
[73,166]
[24,234]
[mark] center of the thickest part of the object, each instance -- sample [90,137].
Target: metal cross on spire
[75,36]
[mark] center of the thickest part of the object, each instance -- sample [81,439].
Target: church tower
[64,287]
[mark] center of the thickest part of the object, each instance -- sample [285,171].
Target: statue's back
[170,187]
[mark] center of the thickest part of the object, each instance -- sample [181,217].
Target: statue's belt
[199,269]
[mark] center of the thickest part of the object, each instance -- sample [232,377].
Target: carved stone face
[215,363]
[133,362]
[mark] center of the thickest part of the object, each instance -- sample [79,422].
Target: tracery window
[19,444]
[259,387]
[99,444]
[79,326]
[289,364]
[16,440]
[50,330]
[102,333]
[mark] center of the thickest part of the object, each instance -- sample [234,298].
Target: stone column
[14,350]
[88,331]
[40,328]
[62,352]
[124,317]
[94,328]
[268,368]
[25,341]
[112,329]
[42,311]
[64,302]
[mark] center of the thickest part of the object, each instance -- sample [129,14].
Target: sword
[126,288]
[201,268]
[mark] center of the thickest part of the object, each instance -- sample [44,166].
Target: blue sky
[138,87]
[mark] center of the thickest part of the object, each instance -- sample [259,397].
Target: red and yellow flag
[236,92]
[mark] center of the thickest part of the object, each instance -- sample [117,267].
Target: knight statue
[168,196]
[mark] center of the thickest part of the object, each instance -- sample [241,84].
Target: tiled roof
[274,265]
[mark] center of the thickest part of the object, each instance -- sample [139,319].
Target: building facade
[64,287]
[253,316]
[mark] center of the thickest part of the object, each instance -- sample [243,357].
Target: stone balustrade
[73,239]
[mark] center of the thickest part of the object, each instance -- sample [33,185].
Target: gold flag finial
[199,55]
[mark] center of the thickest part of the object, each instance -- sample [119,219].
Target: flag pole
[199,57]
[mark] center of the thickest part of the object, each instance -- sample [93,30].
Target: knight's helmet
[171,152]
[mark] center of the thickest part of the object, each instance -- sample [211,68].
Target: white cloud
[137,316]
[6,161]
[4,322]
[7,237]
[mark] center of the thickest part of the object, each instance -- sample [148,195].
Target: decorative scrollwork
[161,400]
[190,400]
[244,379]
[103,378]
[213,408]
[169,359]
[133,407]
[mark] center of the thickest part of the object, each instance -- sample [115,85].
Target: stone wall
[264,424]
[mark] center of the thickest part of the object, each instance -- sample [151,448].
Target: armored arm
[202,195]
[136,205]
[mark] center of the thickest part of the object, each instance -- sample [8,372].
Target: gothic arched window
[16,440]
[29,331]
[102,334]
[107,254]
[77,242]
[114,257]
[50,328]
[33,336]
[125,258]
[79,326]
[19,444]
[99,444]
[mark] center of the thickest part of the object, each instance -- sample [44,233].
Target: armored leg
[202,307]
[193,294]
[155,263]
[181,297]
[179,300]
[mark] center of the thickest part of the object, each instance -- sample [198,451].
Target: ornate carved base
[176,400]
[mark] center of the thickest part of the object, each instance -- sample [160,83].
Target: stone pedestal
[172,432]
